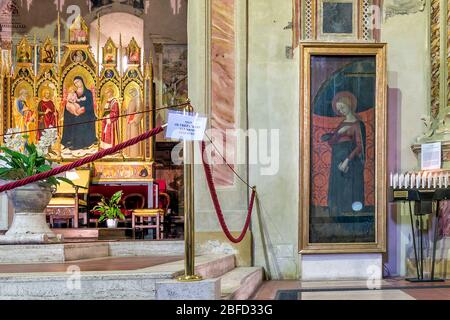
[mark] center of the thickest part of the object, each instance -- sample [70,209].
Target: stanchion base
[415,280]
[189,278]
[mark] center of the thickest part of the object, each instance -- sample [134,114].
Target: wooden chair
[153,217]
[164,201]
[94,199]
[68,200]
[133,201]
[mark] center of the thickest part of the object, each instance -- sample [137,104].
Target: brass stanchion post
[189,218]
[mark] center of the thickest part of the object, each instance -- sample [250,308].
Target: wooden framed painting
[343,148]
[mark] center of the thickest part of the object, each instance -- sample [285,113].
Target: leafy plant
[21,159]
[110,209]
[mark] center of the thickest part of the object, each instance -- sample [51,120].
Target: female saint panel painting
[343,202]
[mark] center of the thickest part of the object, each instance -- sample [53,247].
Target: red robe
[110,131]
[47,115]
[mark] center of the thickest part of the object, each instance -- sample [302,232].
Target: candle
[424,180]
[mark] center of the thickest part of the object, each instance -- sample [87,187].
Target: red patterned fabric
[321,158]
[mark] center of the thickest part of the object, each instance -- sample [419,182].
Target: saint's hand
[343,130]
[343,166]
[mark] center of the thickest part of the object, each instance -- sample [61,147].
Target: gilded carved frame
[377,50]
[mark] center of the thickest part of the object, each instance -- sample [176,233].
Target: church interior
[224,150]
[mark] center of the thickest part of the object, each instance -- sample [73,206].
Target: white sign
[185,126]
[431,156]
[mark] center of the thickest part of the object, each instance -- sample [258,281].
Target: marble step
[72,251]
[241,283]
[52,253]
[106,285]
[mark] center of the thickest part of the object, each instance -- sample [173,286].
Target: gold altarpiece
[438,122]
[94,104]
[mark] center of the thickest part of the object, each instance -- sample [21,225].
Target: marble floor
[390,289]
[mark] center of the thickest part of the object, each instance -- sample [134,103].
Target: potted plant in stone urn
[110,210]
[19,159]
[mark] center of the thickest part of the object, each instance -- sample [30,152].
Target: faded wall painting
[337,17]
[175,84]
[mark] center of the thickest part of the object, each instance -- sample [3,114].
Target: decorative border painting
[343,148]
[335,20]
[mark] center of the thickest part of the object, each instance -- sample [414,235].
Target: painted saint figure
[79,132]
[47,112]
[110,122]
[24,115]
[133,123]
[134,55]
[48,54]
[346,184]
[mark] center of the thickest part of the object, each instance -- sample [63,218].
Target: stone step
[71,251]
[52,253]
[106,285]
[241,283]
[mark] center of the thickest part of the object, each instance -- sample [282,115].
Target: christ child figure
[72,103]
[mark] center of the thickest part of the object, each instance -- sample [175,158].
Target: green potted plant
[20,159]
[110,210]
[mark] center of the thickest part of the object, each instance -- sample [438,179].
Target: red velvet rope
[81,162]
[212,190]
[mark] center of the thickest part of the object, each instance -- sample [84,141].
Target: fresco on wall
[337,17]
[343,150]
[137,4]
[174,82]
[401,7]
[175,86]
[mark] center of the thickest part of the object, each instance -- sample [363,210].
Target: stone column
[4,212]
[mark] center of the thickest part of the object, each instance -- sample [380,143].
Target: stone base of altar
[341,267]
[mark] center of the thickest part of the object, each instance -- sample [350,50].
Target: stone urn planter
[29,225]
